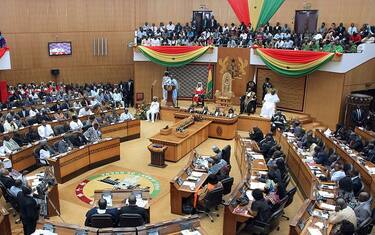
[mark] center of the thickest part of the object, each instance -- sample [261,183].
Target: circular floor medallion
[85,189]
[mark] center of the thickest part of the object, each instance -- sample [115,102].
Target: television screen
[59,48]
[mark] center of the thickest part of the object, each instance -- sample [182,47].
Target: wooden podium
[157,156]
[170,89]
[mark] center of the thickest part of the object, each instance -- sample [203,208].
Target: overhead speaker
[55,72]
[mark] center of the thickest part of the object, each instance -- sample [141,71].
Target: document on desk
[326,206]
[314,231]
[257,185]
[371,170]
[189,184]
[249,195]
[188,232]
[108,198]
[141,203]
[258,156]
[197,174]
[326,194]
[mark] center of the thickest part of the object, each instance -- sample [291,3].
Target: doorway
[306,21]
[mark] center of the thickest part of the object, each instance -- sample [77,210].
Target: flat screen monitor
[59,48]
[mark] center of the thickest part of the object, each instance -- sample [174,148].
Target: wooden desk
[220,127]
[53,195]
[173,227]
[126,130]
[248,168]
[180,192]
[66,229]
[365,134]
[366,177]
[119,197]
[179,147]
[5,228]
[73,163]
[104,152]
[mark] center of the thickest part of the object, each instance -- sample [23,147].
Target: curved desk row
[163,228]
[365,134]
[234,214]
[4,221]
[220,127]
[127,130]
[180,190]
[69,165]
[306,220]
[354,158]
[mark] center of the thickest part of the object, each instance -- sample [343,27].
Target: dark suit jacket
[94,211]
[7,181]
[357,185]
[23,114]
[29,209]
[135,210]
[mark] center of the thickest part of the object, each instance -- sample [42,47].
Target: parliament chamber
[156,117]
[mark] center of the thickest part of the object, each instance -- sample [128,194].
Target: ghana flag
[173,56]
[258,12]
[293,63]
[3,51]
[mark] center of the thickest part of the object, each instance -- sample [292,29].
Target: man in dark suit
[320,156]
[355,142]
[23,113]
[101,209]
[132,208]
[356,181]
[358,116]
[6,179]
[29,210]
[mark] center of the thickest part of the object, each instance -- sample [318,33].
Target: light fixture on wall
[100,47]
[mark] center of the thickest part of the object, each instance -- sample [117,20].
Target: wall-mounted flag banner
[173,56]
[293,63]
[3,51]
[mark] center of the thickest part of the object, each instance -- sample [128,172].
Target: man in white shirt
[44,154]
[75,124]
[4,151]
[337,173]
[352,29]
[10,143]
[84,111]
[33,111]
[117,97]
[45,130]
[93,133]
[126,115]
[9,125]
[154,109]
[170,27]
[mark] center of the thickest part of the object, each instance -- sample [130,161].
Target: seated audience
[6,179]
[4,151]
[256,134]
[337,173]
[10,125]
[260,209]
[278,121]
[126,115]
[132,208]
[76,124]
[212,183]
[356,181]
[345,191]
[101,209]
[16,188]
[45,152]
[85,111]
[345,228]
[93,134]
[45,130]
[342,212]
[364,208]
[10,144]
[320,156]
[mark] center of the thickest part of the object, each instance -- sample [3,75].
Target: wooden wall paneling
[291,91]
[324,97]
[145,73]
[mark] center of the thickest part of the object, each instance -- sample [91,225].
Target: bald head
[363,196]
[132,199]
[341,204]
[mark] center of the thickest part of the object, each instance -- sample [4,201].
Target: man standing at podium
[166,81]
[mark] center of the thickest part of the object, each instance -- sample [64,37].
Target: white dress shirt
[45,131]
[83,112]
[4,150]
[43,155]
[75,125]
[33,113]
[126,116]
[8,127]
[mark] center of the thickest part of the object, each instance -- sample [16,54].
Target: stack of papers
[371,170]
[326,206]
[188,232]
[43,232]
[189,184]
[257,185]
[249,195]
[141,203]
[258,156]
[108,198]
[326,194]
[196,174]
[314,231]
